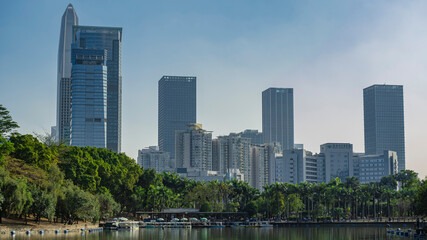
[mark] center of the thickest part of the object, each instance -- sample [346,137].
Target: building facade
[296,166]
[151,157]
[89,98]
[278,116]
[371,168]
[384,120]
[63,104]
[193,148]
[109,39]
[255,136]
[231,153]
[338,160]
[262,164]
[177,109]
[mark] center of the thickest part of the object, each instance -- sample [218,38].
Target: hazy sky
[328,51]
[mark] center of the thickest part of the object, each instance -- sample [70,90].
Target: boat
[111,225]
[238,224]
[127,225]
[253,224]
[265,224]
[216,225]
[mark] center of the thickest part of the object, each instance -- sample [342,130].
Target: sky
[328,51]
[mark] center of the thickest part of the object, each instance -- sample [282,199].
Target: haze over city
[327,52]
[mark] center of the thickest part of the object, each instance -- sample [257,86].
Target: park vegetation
[42,179]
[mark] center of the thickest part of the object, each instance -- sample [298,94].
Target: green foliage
[206,207]
[20,169]
[79,166]
[251,208]
[107,206]
[44,203]
[74,204]
[17,197]
[407,178]
[7,125]
[29,149]
[6,147]
[421,199]
[389,182]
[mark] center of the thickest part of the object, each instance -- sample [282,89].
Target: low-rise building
[151,157]
[371,168]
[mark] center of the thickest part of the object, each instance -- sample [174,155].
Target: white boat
[128,225]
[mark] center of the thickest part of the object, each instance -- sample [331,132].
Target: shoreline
[19,226]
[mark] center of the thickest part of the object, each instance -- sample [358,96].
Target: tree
[7,125]
[75,204]
[44,204]
[421,199]
[206,207]
[108,207]
[6,147]
[407,178]
[17,197]
[32,151]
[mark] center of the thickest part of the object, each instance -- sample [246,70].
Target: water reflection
[224,233]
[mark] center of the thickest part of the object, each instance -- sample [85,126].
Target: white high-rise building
[63,114]
[193,148]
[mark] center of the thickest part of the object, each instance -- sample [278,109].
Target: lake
[223,233]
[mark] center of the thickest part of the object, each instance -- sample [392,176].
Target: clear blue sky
[328,51]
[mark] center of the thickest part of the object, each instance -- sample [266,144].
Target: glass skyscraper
[110,39]
[177,109]
[89,98]
[278,116]
[63,105]
[384,120]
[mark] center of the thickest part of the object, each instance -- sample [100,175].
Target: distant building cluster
[89,110]
[272,156]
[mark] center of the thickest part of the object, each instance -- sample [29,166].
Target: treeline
[42,179]
[67,184]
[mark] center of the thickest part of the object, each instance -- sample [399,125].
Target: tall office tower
[254,135]
[278,116]
[177,109]
[89,98]
[384,120]
[338,160]
[63,104]
[193,148]
[110,39]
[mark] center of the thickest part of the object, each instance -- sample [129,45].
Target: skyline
[314,74]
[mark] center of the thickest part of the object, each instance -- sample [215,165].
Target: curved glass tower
[63,115]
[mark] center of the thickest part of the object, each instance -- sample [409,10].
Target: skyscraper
[177,109]
[384,120]
[89,98]
[278,116]
[63,115]
[110,39]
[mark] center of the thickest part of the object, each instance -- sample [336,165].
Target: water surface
[223,233]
